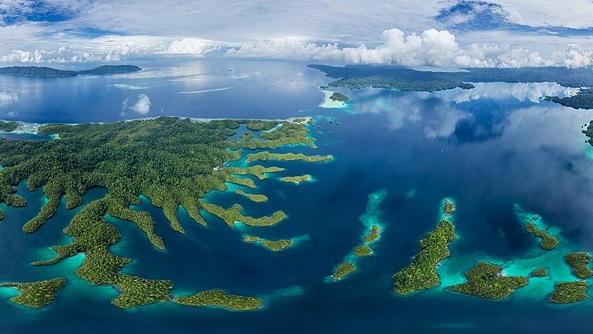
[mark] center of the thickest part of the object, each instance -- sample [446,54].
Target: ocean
[492,149]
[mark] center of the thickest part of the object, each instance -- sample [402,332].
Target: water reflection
[465,115]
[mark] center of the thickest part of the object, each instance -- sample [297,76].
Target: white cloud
[431,48]
[574,14]
[355,31]
[7,98]
[140,105]
[191,46]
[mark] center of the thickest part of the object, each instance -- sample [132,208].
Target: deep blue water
[490,149]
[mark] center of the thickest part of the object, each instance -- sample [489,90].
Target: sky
[439,33]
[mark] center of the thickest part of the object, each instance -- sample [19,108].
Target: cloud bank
[457,33]
[432,47]
[140,105]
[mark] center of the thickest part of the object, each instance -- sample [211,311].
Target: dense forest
[174,162]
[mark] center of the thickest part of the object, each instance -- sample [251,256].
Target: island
[35,71]
[265,156]
[221,299]
[339,97]
[258,198]
[449,207]
[540,272]
[172,162]
[569,292]
[36,294]
[581,100]
[579,263]
[548,242]
[589,133]
[8,126]
[297,179]
[422,272]
[486,280]
[373,235]
[342,270]
[407,79]
[371,220]
[362,251]
[272,245]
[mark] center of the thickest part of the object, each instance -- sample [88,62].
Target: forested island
[36,71]
[371,219]
[406,79]
[171,161]
[486,280]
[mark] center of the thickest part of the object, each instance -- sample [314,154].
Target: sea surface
[499,150]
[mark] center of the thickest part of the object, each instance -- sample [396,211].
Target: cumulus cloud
[191,46]
[432,47]
[140,105]
[7,98]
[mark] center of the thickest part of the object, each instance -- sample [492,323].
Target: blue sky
[448,33]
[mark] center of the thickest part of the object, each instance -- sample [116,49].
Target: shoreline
[33,128]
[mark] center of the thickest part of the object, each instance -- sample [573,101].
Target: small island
[363,251]
[36,294]
[342,270]
[569,292]
[548,242]
[540,272]
[272,245]
[8,126]
[448,207]
[339,97]
[579,263]
[485,280]
[422,272]
[297,179]
[371,220]
[220,299]
[373,235]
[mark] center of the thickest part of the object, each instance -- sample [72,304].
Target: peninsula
[48,72]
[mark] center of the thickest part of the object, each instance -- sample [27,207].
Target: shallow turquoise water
[488,152]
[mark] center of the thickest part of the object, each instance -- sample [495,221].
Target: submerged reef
[173,162]
[36,294]
[485,280]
